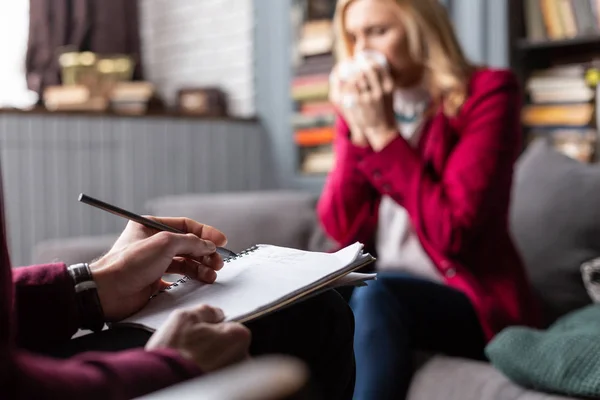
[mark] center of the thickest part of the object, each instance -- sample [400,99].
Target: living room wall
[48,159]
[200,43]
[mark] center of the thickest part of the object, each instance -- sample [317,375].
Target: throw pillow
[564,359]
[555,220]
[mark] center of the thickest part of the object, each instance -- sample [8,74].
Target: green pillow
[563,359]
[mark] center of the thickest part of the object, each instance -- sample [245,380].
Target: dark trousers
[318,330]
[398,314]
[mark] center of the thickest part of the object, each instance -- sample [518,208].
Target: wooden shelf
[152,113]
[528,45]
[528,56]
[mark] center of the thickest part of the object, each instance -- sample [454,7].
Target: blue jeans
[398,314]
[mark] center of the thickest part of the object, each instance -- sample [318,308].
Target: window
[14,33]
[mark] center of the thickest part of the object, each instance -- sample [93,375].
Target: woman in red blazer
[425,148]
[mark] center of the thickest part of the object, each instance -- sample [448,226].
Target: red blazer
[46,316]
[456,189]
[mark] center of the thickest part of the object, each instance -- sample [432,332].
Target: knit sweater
[563,359]
[398,245]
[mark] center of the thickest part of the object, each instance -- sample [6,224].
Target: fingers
[213,261]
[200,335]
[193,269]
[237,339]
[201,313]
[238,334]
[188,225]
[372,77]
[352,89]
[385,77]
[363,88]
[234,336]
[188,245]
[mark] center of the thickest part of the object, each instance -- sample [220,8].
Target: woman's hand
[132,270]
[367,99]
[200,336]
[339,98]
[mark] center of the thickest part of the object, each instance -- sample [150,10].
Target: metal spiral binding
[241,254]
[186,278]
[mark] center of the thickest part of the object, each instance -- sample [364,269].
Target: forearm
[45,305]
[447,211]
[111,376]
[346,191]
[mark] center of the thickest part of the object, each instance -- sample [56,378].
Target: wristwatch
[86,293]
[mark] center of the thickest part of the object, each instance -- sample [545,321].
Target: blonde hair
[431,43]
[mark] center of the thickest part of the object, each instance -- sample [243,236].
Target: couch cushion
[555,220]
[446,378]
[283,218]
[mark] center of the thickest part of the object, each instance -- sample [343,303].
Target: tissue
[360,60]
[347,68]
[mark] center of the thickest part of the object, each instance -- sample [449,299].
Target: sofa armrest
[264,378]
[72,250]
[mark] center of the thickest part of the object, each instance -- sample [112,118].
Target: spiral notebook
[257,281]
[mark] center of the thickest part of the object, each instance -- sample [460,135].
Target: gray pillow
[555,220]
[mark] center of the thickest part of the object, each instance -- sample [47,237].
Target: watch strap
[86,293]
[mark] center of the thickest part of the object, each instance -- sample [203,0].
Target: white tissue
[364,56]
[347,68]
[361,59]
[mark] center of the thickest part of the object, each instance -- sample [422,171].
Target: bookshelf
[581,42]
[312,116]
[554,48]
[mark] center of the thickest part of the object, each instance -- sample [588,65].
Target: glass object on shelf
[579,145]
[96,82]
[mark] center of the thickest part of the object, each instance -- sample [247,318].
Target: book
[558,114]
[258,281]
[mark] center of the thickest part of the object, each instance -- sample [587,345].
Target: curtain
[101,26]
[482,29]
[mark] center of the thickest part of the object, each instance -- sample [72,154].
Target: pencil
[225,253]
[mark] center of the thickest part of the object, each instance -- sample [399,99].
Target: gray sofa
[554,219]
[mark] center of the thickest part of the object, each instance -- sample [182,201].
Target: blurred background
[129,101]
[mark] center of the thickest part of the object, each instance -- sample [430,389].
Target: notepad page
[250,282]
[354,278]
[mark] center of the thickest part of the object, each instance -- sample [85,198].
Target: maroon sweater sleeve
[44,298]
[45,302]
[111,376]
[347,194]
